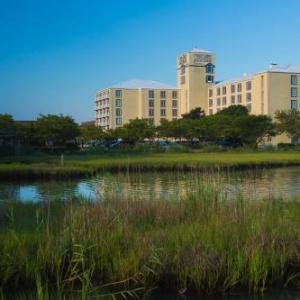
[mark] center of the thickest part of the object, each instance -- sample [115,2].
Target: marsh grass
[124,248]
[48,166]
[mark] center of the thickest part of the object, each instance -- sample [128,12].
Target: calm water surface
[279,182]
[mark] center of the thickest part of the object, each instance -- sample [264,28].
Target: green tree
[56,130]
[195,114]
[234,110]
[136,131]
[91,132]
[7,125]
[288,122]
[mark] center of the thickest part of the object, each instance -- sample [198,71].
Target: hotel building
[276,88]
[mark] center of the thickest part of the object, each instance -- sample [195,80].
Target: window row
[162,103]
[233,100]
[101,103]
[162,112]
[151,94]
[233,88]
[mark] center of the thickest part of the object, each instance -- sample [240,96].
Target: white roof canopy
[142,84]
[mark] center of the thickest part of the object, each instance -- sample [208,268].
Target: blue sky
[54,55]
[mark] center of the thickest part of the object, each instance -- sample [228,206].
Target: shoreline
[80,167]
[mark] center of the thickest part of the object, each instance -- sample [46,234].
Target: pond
[255,184]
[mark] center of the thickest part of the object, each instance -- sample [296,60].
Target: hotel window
[162,94]
[151,94]
[248,85]
[232,88]
[151,112]
[162,103]
[118,121]
[239,87]
[209,78]
[118,112]
[249,107]
[118,93]
[248,97]
[218,91]
[224,90]
[151,103]
[174,94]
[174,103]
[163,112]
[239,99]
[294,80]
[182,69]
[211,93]
[224,101]
[209,68]
[151,121]
[232,99]
[294,92]
[210,102]
[294,104]
[118,102]
[210,112]
[174,112]
[218,101]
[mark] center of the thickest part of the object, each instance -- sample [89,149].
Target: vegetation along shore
[50,166]
[200,243]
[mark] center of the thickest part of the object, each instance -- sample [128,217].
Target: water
[281,182]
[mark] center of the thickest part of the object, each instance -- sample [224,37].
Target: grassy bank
[81,165]
[120,248]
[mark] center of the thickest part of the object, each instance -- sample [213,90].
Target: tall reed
[121,248]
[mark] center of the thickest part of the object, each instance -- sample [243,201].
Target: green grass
[122,248]
[81,165]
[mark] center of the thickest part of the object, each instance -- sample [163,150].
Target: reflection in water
[169,185]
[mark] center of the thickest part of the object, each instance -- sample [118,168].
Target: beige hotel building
[265,92]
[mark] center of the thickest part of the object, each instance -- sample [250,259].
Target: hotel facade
[265,92]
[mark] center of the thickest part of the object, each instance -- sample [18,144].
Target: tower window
[218,91]
[174,94]
[209,68]
[209,78]
[224,90]
[211,92]
[232,88]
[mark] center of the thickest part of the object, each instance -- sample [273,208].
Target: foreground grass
[124,248]
[80,165]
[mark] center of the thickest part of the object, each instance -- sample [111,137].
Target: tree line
[233,125]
